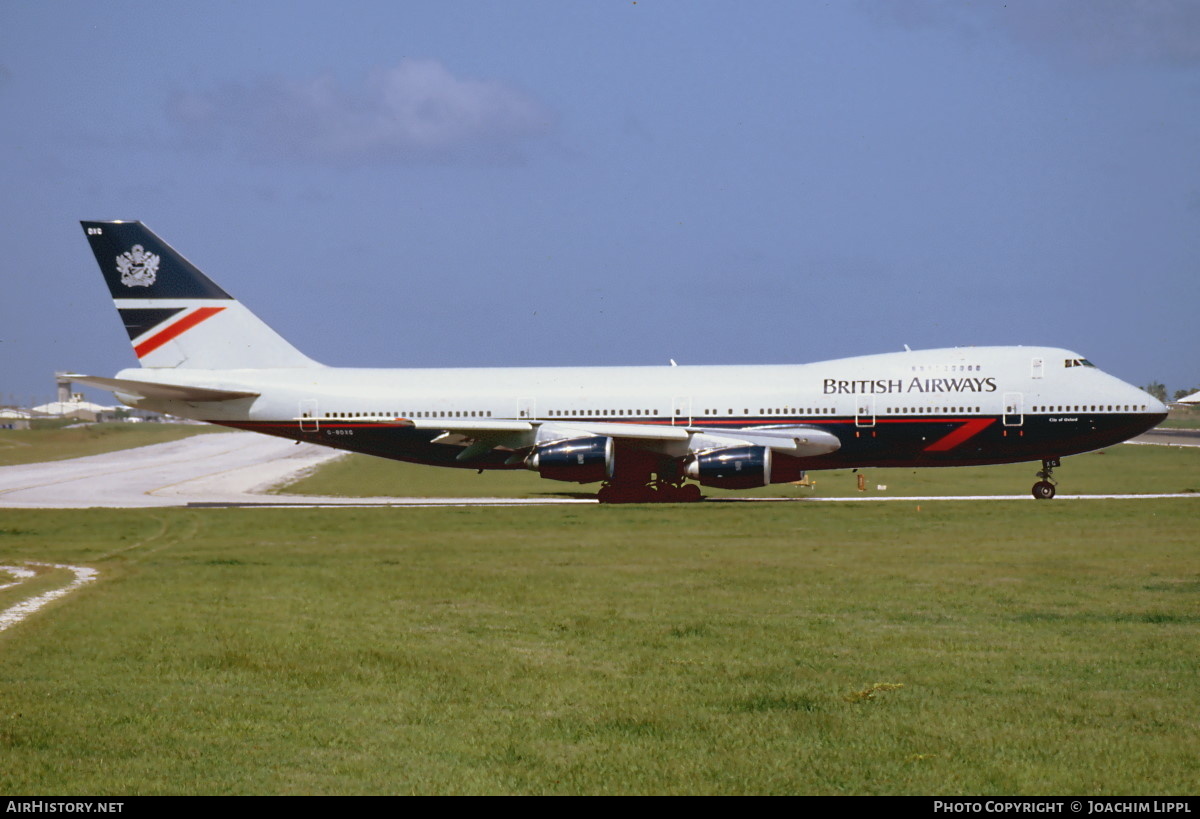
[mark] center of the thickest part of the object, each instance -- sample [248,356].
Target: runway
[229,467]
[1169,437]
[237,469]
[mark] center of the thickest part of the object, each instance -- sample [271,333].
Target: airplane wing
[484,434]
[466,426]
[150,389]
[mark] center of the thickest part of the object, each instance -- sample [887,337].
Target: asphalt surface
[1169,437]
[229,467]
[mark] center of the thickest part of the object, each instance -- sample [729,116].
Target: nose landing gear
[1044,489]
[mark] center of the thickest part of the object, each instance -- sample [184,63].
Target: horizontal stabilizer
[168,392]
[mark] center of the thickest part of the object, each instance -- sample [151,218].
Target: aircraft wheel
[1043,490]
[620,493]
[670,493]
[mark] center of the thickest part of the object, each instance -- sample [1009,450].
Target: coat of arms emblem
[137,267]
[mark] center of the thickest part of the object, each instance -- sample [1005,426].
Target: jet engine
[735,467]
[581,460]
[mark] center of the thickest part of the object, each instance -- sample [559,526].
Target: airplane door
[1014,413]
[309,420]
[681,412]
[526,408]
[864,411]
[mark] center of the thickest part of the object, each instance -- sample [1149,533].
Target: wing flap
[467,426]
[645,432]
[799,442]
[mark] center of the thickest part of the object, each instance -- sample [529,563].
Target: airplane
[646,434]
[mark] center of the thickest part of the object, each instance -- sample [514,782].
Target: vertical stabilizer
[174,314]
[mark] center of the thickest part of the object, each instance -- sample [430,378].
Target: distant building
[79,410]
[11,418]
[72,405]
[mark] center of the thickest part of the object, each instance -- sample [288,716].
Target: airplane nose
[1153,405]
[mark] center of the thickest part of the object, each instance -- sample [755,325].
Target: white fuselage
[960,382]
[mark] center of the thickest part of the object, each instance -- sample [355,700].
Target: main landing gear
[657,492]
[1044,489]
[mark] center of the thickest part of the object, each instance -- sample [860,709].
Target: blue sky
[546,183]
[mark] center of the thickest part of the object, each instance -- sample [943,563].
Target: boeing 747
[643,433]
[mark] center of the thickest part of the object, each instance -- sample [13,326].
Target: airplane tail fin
[174,314]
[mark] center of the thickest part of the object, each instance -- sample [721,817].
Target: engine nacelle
[735,467]
[580,460]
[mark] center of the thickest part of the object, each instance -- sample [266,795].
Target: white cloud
[414,111]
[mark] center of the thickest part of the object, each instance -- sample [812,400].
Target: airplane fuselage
[949,407]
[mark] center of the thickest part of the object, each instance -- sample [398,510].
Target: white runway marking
[15,614]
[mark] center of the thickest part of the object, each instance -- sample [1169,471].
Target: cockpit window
[1078,362]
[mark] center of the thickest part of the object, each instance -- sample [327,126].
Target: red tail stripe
[175,330]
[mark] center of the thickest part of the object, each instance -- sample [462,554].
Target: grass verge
[967,648]
[58,443]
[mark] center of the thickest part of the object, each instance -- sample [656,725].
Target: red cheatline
[175,330]
[969,429]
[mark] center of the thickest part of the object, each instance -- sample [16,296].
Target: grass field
[54,443]
[966,648]
[1183,418]
[1117,470]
